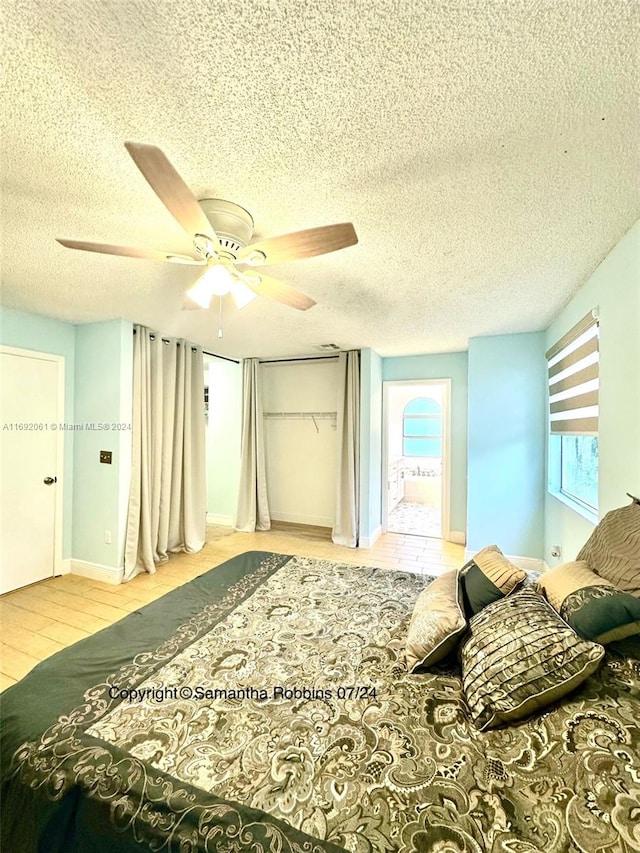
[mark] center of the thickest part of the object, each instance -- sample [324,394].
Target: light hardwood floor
[41,619]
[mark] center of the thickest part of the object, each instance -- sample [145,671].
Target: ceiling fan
[221,231]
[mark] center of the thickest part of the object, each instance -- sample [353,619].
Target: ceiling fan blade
[131,252]
[300,244]
[170,189]
[264,285]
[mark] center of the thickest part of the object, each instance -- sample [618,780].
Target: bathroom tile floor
[414,518]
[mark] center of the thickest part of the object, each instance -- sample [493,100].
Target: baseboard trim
[64,567]
[529,564]
[458,537]
[370,541]
[222,520]
[96,572]
[309,520]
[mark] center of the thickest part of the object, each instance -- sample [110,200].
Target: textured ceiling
[486,153]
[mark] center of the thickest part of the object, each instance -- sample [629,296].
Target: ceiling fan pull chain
[220,318]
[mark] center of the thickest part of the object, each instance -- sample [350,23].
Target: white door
[29,409]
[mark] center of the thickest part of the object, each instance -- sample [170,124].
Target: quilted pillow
[487,577]
[436,623]
[593,606]
[519,657]
[613,549]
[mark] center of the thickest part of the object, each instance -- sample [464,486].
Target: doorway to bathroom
[416,475]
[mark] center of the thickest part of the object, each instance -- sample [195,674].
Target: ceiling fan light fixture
[200,293]
[242,295]
[216,281]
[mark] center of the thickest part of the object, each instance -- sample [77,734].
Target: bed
[266,706]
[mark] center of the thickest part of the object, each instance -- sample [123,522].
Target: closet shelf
[318,416]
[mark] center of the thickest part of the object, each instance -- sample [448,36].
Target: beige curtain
[167,501]
[346,527]
[253,508]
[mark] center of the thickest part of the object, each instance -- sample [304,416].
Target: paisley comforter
[266,706]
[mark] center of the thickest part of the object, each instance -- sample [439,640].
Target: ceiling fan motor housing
[232,223]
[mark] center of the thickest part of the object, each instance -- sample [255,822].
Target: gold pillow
[561,581]
[500,571]
[437,622]
[593,606]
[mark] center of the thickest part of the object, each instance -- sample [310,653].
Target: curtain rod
[262,360]
[152,335]
[224,357]
[301,358]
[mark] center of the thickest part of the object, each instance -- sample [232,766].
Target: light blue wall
[506,450]
[126,416]
[103,379]
[98,374]
[98,377]
[445,366]
[43,334]
[370,442]
[613,288]
[224,430]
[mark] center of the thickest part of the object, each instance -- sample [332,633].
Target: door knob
[48,481]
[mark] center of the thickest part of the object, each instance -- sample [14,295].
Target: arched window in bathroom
[422,427]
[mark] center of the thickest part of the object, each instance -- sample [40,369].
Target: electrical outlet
[107,537]
[556,551]
[105,457]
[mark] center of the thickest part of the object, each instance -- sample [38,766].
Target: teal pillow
[478,591]
[602,613]
[488,577]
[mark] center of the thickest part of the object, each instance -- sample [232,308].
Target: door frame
[58,527]
[445,487]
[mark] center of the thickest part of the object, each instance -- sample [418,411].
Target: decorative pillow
[613,549]
[593,606]
[437,622]
[519,657]
[602,613]
[556,584]
[488,577]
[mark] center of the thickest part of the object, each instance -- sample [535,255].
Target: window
[422,428]
[573,415]
[579,468]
